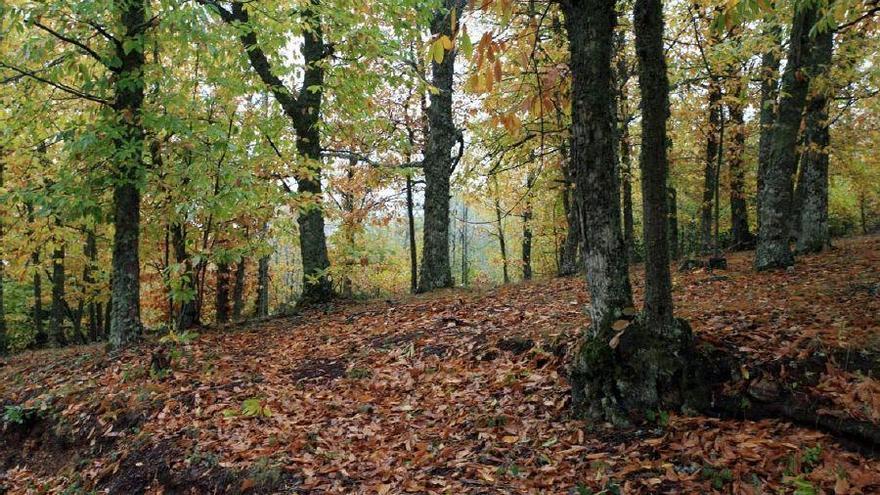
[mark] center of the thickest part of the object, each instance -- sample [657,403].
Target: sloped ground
[460,392]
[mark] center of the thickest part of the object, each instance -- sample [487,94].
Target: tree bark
[623,119]
[767,114]
[654,87]
[709,177]
[813,235]
[590,27]
[93,309]
[438,164]
[499,222]
[571,249]
[465,269]
[742,237]
[125,318]
[775,195]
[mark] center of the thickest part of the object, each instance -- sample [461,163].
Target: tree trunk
[40,337]
[501,238]
[188,314]
[654,85]
[767,113]
[571,249]
[710,178]
[411,235]
[93,308]
[262,308]
[56,313]
[125,319]
[465,269]
[775,195]
[813,235]
[238,290]
[742,237]
[317,286]
[221,305]
[438,164]
[527,231]
[623,118]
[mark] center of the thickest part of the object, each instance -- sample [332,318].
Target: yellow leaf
[619,325]
[510,439]
[438,52]
[446,42]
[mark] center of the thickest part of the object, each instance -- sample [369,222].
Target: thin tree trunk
[411,235]
[56,313]
[188,314]
[571,248]
[465,270]
[438,165]
[527,231]
[623,119]
[40,337]
[775,195]
[91,252]
[739,213]
[238,290]
[262,307]
[125,320]
[499,219]
[813,235]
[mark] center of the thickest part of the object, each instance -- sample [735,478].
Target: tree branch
[74,42]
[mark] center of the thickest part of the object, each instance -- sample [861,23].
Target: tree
[775,194]
[438,163]
[304,111]
[813,235]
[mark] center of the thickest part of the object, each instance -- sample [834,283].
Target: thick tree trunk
[125,319]
[742,237]
[238,290]
[56,312]
[262,307]
[767,113]
[775,195]
[221,305]
[813,235]
[709,177]
[317,286]
[438,164]
[654,85]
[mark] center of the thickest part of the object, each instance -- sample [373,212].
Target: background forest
[286,145]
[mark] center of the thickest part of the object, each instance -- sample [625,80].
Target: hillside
[456,392]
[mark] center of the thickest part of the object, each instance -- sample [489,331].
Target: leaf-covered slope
[461,392]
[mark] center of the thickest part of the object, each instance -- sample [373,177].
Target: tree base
[647,370]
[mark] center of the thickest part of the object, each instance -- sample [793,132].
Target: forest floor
[457,392]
